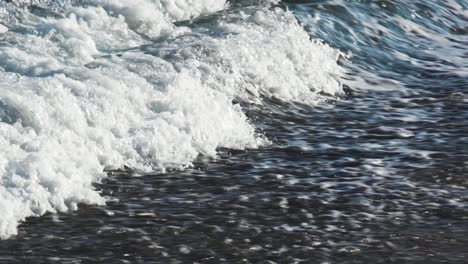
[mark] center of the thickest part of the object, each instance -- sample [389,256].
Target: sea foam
[112,83]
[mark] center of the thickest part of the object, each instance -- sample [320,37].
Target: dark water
[377,176]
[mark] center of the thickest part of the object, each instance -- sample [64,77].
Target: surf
[98,85]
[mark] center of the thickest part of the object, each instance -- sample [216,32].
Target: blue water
[376,174]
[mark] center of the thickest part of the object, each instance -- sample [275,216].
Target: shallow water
[376,173]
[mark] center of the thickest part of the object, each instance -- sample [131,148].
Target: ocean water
[243,131]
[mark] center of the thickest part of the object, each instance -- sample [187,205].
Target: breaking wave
[90,86]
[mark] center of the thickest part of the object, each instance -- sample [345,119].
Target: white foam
[186,9]
[3,29]
[79,108]
[269,53]
[153,18]
[144,17]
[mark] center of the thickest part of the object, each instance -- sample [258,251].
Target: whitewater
[89,87]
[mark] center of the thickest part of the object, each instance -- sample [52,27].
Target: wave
[149,86]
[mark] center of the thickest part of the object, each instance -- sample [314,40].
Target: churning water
[212,131]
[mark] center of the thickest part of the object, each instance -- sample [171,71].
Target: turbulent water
[210,131]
